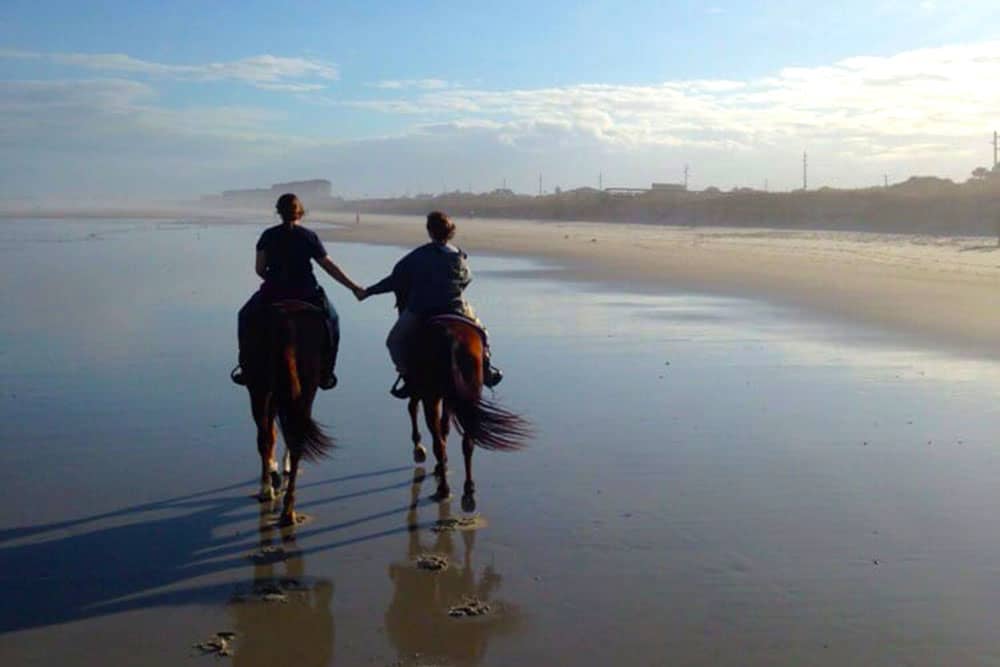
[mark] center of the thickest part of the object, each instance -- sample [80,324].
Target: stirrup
[400,391]
[329,382]
[492,376]
[238,376]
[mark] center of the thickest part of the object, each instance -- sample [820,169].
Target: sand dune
[940,289]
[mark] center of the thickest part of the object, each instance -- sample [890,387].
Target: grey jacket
[429,280]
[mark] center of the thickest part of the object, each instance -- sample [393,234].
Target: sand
[711,482]
[938,289]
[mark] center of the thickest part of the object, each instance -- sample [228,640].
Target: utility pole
[996,144]
[600,180]
[885,181]
[539,185]
[687,170]
[805,171]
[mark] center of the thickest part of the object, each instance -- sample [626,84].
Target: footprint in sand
[469,607]
[463,523]
[268,555]
[271,591]
[433,562]
[220,645]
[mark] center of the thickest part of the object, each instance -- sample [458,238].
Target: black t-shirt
[289,252]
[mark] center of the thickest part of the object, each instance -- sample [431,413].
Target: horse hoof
[275,480]
[266,494]
[287,520]
[419,454]
[440,470]
[441,495]
[468,503]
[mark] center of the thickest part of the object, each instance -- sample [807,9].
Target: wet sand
[941,290]
[713,480]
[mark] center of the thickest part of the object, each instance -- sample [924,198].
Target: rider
[429,281]
[284,254]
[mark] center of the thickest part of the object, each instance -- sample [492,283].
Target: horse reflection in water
[283,369]
[297,631]
[446,376]
[418,621]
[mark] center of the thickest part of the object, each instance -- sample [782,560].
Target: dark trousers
[251,311]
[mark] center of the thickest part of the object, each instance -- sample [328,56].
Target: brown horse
[446,375]
[283,369]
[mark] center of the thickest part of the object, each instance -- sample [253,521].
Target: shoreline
[937,290]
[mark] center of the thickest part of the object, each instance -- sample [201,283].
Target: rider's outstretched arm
[338,274]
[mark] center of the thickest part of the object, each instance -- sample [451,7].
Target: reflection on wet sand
[418,622]
[285,618]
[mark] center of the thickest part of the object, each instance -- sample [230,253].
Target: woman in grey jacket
[428,281]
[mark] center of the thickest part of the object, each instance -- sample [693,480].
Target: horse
[283,369]
[446,376]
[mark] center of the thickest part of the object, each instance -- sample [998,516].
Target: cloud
[926,96]
[264,71]
[920,111]
[420,84]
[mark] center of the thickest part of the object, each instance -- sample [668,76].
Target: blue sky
[118,99]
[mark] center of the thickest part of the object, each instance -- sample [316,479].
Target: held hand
[360,293]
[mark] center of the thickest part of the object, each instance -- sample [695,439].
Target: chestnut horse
[446,375]
[283,367]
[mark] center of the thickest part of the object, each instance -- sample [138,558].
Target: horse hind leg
[266,438]
[419,453]
[432,414]
[288,510]
[469,491]
[280,477]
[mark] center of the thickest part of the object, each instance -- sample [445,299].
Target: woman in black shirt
[284,261]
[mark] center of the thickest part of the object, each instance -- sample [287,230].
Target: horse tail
[485,423]
[301,433]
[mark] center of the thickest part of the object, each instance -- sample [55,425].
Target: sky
[128,100]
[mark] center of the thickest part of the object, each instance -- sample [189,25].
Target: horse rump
[483,421]
[301,335]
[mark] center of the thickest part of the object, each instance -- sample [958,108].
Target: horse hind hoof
[441,495]
[287,520]
[468,503]
[267,493]
[276,480]
[419,454]
[440,471]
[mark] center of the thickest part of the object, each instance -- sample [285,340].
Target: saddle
[448,318]
[290,306]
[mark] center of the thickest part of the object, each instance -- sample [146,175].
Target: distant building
[316,188]
[626,192]
[313,192]
[668,187]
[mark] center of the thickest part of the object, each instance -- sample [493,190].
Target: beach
[941,290]
[712,479]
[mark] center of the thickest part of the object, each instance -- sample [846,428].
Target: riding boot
[328,380]
[238,374]
[400,388]
[491,374]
